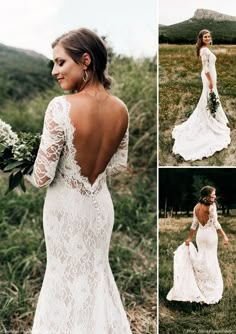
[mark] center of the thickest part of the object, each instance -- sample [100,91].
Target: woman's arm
[210,80]
[224,236]
[205,66]
[190,238]
[50,148]
[192,228]
[217,224]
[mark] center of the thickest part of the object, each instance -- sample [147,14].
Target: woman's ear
[85,60]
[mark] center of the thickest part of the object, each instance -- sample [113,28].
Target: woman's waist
[207,230]
[63,259]
[79,183]
[212,72]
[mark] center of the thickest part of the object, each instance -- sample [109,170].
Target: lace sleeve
[50,147]
[195,221]
[215,217]
[205,59]
[119,160]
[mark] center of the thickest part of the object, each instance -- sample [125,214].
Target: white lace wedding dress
[197,275]
[79,294]
[202,134]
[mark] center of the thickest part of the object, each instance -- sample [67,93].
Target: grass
[179,317]
[180,88]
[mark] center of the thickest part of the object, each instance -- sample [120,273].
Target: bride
[197,275]
[203,133]
[85,138]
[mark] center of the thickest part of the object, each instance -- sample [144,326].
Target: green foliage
[213,103]
[19,160]
[135,84]
[179,188]
[22,73]
[27,115]
[223,32]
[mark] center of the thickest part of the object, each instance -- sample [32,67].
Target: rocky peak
[211,14]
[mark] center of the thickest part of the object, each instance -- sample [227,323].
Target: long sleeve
[50,148]
[205,59]
[195,221]
[215,217]
[119,160]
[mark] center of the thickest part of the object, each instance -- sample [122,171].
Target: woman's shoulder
[213,206]
[204,50]
[119,104]
[57,108]
[57,100]
[197,206]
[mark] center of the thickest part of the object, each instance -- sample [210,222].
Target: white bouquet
[17,154]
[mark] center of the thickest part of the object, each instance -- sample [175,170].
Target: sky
[175,11]
[130,25]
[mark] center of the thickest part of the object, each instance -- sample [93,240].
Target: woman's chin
[64,86]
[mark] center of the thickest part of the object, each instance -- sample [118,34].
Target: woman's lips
[59,79]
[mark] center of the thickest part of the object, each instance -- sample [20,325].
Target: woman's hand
[210,85]
[226,240]
[188,241]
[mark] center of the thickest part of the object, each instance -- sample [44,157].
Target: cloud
[26,23]
[34,24]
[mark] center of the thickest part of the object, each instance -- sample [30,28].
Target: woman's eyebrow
[57,59]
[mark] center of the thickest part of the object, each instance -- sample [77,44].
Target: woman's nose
[54,70]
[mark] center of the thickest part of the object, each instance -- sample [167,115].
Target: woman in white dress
[203,133]
[85,138]
[197,275]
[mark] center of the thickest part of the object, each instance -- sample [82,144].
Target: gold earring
[85,77]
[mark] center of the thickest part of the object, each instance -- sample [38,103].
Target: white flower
[7,136]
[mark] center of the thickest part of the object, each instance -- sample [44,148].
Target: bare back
[100,123]
[202,213]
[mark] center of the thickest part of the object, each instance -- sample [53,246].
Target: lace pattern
[79,294]
[212,221]
[205,59]
[119,160]
[57,152]
[197,275]
[50,148]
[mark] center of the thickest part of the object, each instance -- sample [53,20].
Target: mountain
[211,14]
[222,27]
[23,73]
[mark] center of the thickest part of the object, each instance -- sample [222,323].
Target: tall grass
[180,88]
[181,317]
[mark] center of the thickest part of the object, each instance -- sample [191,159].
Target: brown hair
[205,192]
[77,42]
[200,43]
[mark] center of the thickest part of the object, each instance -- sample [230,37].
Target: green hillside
[223,32]
[23,74]
[26,87]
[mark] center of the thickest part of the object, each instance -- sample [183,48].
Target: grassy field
[179,317]
[180,88]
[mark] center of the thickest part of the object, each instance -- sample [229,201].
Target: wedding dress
[79,294]
[197,275]
[202,134]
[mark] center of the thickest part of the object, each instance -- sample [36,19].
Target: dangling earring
[85,77]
